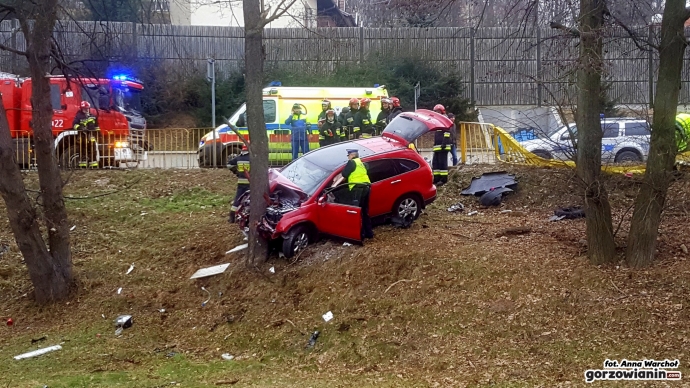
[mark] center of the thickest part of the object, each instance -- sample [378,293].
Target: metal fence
[500,65]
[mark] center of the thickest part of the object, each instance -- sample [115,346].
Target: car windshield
[127,98]
[305,175]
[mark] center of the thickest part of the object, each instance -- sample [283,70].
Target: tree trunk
[54,284]
[258,149]
[649,203]
[600,243]
[24,222]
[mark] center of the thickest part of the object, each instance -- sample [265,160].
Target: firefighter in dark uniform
[330,130]
[87,126]
[349,119]
[325,107]
[363,127]
[382,118]
[439,163]
[396,109]
[240,166]
[343,123]
[356,172]
[453,132]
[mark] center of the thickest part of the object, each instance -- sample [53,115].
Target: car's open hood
[277,181]
[409,126]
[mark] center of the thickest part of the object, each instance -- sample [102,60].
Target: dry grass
[444,303]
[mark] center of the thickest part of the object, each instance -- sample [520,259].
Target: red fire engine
[115,102]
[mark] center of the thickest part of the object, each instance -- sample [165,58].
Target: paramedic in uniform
[298,131]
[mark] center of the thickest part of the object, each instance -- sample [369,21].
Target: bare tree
[650,201]
[50,269]
[255,19]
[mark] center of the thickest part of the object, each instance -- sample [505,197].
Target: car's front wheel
[543,154]
[406,206]
[296,241]
[628,157]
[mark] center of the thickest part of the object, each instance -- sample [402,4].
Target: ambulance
[217,146]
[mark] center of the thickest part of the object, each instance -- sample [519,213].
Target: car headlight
[121,144]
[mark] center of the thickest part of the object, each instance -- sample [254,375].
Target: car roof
[334,156]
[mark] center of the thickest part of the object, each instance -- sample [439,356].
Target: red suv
[307,200]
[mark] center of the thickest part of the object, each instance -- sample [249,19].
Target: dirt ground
[449,302]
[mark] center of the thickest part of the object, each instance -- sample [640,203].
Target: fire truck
[115,102]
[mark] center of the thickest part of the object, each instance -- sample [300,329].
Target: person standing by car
[87,126]
[298,131]
[453,132]
[359,184]
[439,163]
[363,126]
[329,133]
[396,109]
[240,166]
[382,118]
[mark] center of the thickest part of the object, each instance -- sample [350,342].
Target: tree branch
[12,50]
[571,30]
[278,12]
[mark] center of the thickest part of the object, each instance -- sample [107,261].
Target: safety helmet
[85,104]
[365,101]
[386,101]
[440,108]
[346,110]
[330,111]
[354,100]
[244,146]
[326,103]
[395,101]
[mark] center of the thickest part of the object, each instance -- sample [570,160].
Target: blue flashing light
[120,77]
[376,85]
[601,115]
[276,83]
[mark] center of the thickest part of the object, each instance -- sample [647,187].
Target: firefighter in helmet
[363,127]
[87,127]
[453,132]
[396,109]
[240,166]
[350,119]
[325,107]
[329,133]
[439,163]
[382,118]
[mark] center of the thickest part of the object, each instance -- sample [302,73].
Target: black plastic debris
[570,213]
[403,222]
[312,339]
[491,180]
[494,196]
[458,207]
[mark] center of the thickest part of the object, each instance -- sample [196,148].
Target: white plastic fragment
[272,270]
[119,290]
[73,227]
[38,352]
[210,271]
[131,268]
[227,356]
[556,218]
[347,244]
[237,248]
[328,316]
[472,213]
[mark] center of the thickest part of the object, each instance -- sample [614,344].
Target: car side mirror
[322,200]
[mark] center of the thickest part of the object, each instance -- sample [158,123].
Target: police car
[625,140]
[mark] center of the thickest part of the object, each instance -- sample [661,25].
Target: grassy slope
[444,303]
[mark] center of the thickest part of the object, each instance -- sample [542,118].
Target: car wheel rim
[407,207]
[301,242]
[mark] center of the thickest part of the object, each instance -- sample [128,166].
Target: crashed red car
[304,200]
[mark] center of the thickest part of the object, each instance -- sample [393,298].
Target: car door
[338,213]
[386,185]
[610,141]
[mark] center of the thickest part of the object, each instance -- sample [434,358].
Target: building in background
[302,14]
[176,12]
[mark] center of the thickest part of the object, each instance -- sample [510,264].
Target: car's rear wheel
[408,204]
[296,241]
[543,154]
[627,157]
